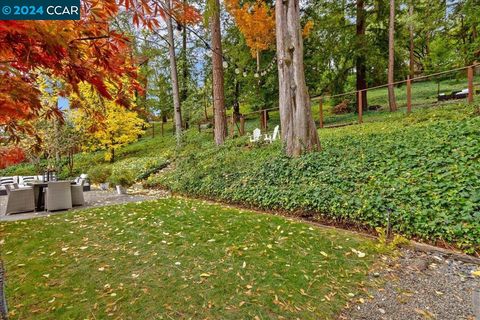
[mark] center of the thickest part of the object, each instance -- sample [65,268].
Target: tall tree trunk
[412,44]
[427,45]
[185,70]
[297,126]
[361,68]
[236,103]
[112,155]
[391,58]
[220,131]
[174,74]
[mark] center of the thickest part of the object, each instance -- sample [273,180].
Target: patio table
[38,187]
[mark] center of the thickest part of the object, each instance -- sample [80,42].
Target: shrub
[22,169]
[140,167]
[124,178]
[342,108]
[100,173]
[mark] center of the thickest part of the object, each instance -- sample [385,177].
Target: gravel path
[94,198]
[419,286]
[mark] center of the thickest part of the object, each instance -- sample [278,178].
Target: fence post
[232,129]
[360,107]
[470,84]
[320,111]
[265,119]
[242,125]
[409,95]
[261,121]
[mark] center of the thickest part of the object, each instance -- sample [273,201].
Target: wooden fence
[237,123]
[263,123]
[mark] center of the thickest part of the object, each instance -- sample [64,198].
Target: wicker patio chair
[58,196]
[19,200]
[77,193]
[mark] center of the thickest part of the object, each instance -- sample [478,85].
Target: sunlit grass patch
[178,258]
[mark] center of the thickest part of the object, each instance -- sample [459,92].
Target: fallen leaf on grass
[360,254]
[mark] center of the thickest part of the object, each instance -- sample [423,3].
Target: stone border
[446,252]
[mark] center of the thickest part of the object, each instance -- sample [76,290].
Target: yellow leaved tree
[107,125]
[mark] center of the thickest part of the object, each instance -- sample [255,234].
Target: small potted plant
[99,175]
[122,179]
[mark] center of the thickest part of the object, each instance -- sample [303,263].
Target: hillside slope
[423,170]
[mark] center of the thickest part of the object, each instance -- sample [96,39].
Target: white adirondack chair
[270,138]
[255,137]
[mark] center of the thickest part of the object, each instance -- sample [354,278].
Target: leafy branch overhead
[89,50]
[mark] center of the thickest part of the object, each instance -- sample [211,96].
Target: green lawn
[178,259]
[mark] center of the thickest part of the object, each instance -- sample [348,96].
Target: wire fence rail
[359,101]
[237,122]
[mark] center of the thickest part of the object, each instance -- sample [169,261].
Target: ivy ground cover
[178,259]
[422,171]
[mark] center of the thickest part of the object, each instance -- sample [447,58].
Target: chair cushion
[7,180]
[24,180]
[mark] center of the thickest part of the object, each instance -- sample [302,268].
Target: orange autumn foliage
[87,50]
[307,29]
[9,157]
[256,22]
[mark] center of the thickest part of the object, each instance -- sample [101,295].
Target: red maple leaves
[87,50]
[73,51]
[11,156]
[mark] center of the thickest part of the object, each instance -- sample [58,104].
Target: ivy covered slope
[424,169]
